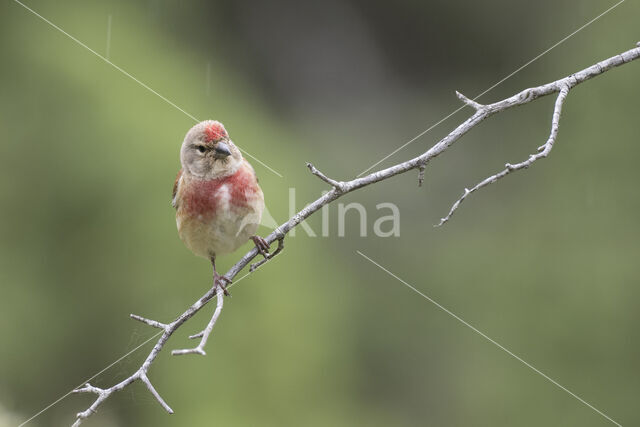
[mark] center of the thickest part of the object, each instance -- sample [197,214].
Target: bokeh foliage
[545,262]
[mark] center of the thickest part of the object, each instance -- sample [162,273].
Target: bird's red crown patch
[215,132]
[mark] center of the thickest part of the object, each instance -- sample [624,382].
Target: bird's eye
[201,148]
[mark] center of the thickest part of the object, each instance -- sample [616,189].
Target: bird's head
[208,153]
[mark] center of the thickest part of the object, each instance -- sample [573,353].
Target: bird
[216,195]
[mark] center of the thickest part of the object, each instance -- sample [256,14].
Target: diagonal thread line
[112,364]
[105,60]
[549,49]
[499,82]
[259,161]
[173,105]
[91,378]
[482,334]
[165,99]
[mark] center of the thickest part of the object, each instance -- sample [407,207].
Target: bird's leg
[269,256]
[218,279]
[262,245]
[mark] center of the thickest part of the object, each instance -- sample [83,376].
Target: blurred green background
[545,262]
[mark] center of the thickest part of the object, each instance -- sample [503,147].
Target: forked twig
[340,188]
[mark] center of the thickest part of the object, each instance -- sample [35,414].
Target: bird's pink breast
[206,197]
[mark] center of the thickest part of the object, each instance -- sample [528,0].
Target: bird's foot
[262,245]
[222,281]
[267,255]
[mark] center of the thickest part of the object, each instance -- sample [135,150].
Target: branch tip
[149,322]
[143,377]
[195,350]
[87,388]
[470,102]
[339,186]
[438,225]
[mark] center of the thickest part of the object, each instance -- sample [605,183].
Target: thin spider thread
[491,340]
[123,71]
[60,399]
[491,88]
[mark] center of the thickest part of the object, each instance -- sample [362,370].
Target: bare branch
[335,184]
[103,394]
[473,104]
[543,151]
[149,322]
[207,331]
[145,380]
[141,373]
[340,188]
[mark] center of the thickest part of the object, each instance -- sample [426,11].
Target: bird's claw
[261,245]
[222,281]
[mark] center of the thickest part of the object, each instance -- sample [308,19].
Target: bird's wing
[174,201]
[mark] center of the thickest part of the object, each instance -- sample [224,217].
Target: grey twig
[471,103]
[340,188]
[204,335]
[104,393]
[141,373]
[143,377]
[149,322]
[543,151]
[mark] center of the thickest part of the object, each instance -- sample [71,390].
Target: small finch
[217,198]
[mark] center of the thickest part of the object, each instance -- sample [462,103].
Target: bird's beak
[222,150]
